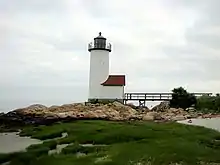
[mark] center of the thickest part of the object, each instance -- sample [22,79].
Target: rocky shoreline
[41,115]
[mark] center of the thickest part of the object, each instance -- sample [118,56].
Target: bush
[208,103]
[182,99]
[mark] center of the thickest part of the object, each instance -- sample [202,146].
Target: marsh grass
[127,143]
[23,158]
[46,144]
[77,148]
[42,132]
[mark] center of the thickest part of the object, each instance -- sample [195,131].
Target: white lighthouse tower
[103,86]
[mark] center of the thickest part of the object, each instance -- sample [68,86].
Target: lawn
[124,143]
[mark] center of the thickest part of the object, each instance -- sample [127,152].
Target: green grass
[127,143]
[46,144]
[43,132]
[76,147]
[23,158]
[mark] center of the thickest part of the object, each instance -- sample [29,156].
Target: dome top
[100,36]
[99,43]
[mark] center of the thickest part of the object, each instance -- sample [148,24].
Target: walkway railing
[155,96]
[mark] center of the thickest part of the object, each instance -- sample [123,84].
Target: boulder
[118,104]
[191,109]
[152,116]
[193,115]
[177,111]
[40,114]
[148,117]
[131,105]
[178,118]
[209,115]
[37,107]
[64,114]
[31,109]
[161,107]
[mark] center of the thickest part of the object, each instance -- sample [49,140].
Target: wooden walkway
[143,97]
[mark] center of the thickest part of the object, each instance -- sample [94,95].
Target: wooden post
[142,103]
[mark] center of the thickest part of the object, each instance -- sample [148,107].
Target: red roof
[115,80]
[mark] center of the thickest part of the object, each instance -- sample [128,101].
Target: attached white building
[103,86]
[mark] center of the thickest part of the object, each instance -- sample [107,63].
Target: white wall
[99,71]
[112,92]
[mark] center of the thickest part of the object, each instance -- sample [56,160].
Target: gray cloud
[158,44]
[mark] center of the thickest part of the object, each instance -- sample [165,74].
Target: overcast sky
[157,44]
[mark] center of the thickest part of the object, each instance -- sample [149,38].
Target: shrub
[182,99]
[208,103]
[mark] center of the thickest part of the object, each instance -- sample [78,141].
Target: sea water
[213,123]
[12,142]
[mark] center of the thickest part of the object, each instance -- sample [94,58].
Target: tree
[208,103]
[182,99]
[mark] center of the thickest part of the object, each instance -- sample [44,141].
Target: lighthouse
[103,86]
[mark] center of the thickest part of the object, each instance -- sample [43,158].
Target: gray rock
[162,106]
[190,109]
[178,118]
[151,116]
